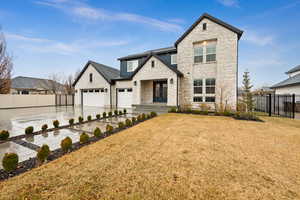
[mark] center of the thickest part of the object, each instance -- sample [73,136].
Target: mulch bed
[31,163]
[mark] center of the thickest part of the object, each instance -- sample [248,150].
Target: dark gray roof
[295,69]
[295,80]
[218,21]
[161,60]
[21,82]
[146,53]
[108,73]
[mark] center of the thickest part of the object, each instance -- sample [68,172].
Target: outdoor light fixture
[171,80]
[134,83]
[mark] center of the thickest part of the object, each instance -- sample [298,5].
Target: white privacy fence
[23,101]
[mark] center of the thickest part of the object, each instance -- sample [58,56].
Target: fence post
[293,105]
[270,105]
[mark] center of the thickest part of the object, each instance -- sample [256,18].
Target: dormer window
[132,65]
[91,77]
[204,26]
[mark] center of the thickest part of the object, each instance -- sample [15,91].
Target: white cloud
[258,39]
[229,3]
[81,10]
[42,45]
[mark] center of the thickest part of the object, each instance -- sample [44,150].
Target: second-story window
[173,59]
[211,52]
[152,63]
[132,65]
[198,54]
[91,77]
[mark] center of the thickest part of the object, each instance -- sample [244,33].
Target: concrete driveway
[16,120]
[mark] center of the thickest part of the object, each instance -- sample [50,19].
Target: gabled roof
[295,69]
[218,21]
[22,82]
[107,72]
[295,80]
[146,53]
[161,60]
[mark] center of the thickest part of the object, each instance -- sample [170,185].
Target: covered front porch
[157,92]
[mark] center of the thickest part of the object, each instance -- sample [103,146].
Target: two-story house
[201,67]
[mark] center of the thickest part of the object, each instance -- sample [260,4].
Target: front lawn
[175,156]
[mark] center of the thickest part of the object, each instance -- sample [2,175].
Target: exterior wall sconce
[171,81]
[105,90]
[134,83]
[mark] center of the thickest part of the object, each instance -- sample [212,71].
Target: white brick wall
[224,69]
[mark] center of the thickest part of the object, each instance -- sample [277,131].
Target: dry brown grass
[175,157]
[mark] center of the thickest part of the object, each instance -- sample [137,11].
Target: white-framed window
[173,59]
[211,52]
[132,65]
[205,52]
[204,90]
[198,54]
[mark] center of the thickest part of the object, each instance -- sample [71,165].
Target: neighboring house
[201,67]
[290,85]
[29,85]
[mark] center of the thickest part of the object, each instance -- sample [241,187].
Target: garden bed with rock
[84,140]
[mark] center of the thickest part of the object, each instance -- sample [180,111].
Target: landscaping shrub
[43,153]
[110,114]
[4,135]
[104,114]
[44,127]
[120,112]
[121,125]
[109,128]
[10,162]
[246,116]
[98,116]
[66,144]
[139,118]
[153,114]
[124,111]
[97,132]
[56,123]
[84,138]
[148,116]
[116,112]
[80,119]
[29,130]
[172,110]
[128,122]
[133,120]
[71,122]
[89,118]
[143,116]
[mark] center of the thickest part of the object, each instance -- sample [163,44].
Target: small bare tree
[54,83]
[68,83]
[6,67]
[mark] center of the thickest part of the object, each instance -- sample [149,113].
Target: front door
[160,91]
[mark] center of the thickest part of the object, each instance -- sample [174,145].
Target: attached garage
[124,97]
[94,97]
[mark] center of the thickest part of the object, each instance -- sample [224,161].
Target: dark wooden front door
[160,91]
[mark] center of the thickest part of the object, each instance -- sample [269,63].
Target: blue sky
[60,36]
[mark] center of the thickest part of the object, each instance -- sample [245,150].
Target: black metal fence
[278,105]
[64,100]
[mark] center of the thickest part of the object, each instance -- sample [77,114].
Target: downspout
[110,96]
[177,92]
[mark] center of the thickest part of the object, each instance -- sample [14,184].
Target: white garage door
[94,97]
[124,97]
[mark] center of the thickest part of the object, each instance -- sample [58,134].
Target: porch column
[139,90]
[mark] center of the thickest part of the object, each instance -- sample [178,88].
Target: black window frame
[198,99]
[152,63]
[204,26]
[198,89]
[210,86]
[210,101]
[91,77]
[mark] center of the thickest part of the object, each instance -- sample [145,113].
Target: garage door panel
[124,97]
[95,97]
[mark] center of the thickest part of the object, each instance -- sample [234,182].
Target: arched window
[91,77]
